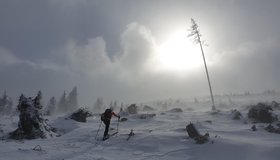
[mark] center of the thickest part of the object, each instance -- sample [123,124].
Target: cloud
[90,58]
[251,66]
[7,58]
[138,45]
[257,54]
[130,76]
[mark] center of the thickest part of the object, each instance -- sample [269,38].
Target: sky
[137,51]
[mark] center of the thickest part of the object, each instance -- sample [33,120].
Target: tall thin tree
[62,103]
[73,100]
[195,33]
[51,106]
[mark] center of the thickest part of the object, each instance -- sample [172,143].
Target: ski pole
[98,130]
[118,125]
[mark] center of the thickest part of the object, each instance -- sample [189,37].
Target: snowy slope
[162,137]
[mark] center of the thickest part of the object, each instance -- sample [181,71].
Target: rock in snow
[193,133]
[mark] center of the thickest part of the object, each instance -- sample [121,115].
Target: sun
[178,54]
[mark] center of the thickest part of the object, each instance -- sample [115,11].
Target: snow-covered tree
[51,108]
[6,104]
[62,104]
[115,104]
[68,102]
[72,100]
[31,122]
[37,100]
[98,105]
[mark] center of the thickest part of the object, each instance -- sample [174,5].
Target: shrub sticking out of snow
[262,113]
[31,123]
[148,108]
[175,110]
[132,109]
[275,105]
[236,115]
[81,115]
[146,116]
[272,129]
[254,128]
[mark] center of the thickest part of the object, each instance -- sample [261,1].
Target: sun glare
[178,54]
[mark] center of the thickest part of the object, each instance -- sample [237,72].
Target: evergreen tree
[98,105]
[52,106]
[115,105]
[6,104]
[2,103]
[73,100]
[62,104]
[37,100]
[111,104]
[5,97]
[31,122]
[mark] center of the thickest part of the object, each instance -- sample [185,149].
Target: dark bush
[236,115]
[262,113]
[81,115]
[146,116]
[272,129]
[132,109]
[148,108]
[175,110]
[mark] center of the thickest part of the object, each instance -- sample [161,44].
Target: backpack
[106,115]
[102,117]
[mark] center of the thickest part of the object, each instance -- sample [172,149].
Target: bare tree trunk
[195,33]
[207,74]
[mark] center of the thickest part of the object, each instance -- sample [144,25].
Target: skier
[106,118]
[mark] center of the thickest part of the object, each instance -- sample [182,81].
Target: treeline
[100,105]
[67,103]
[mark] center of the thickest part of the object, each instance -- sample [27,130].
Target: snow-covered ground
[162,137]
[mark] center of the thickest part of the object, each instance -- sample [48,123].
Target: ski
[110,135]
[113,134]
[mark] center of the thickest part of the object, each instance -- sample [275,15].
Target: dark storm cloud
[33,28]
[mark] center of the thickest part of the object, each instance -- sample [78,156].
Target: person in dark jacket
[106,118]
